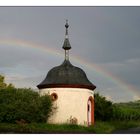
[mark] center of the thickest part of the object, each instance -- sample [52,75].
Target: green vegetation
[42,128]
[100,127]
[23,105]
[106,110]
[24,111]
[127,111]
[103,108]
[3,85]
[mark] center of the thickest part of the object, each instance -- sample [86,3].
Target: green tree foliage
[106,110]
[10,86]
[3,84]
[103,108]
[22,104]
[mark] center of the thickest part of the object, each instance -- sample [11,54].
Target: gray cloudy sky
[107,37]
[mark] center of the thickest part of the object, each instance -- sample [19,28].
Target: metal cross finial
[66,45]
[66,25]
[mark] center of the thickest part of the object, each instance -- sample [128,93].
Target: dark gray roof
[66,45]
[64,75]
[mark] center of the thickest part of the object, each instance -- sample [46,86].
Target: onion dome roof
[66,75]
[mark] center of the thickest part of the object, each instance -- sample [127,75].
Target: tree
[23,104]
[3,84]
[10,86]
[103,108]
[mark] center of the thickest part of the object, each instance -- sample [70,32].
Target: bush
[103,108]
[23,104]
[3,85]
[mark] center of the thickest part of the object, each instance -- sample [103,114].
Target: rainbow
[89,65]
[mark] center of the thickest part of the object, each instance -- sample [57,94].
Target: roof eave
[91,87]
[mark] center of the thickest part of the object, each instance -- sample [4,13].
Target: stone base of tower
[71,105]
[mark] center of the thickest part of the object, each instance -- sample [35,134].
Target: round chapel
[71,92]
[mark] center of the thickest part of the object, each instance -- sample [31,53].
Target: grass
[111,126]
[99,127]
[41,128]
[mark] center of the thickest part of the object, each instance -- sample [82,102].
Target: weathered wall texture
[71,102]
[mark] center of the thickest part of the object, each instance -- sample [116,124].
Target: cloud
[109,36]
[21,81]
[136,97]
[108,97]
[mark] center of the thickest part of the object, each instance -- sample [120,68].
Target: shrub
[23,104]
[103,108]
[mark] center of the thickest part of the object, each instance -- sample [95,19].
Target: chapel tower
[72,93]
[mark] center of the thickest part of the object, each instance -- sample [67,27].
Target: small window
[54,96]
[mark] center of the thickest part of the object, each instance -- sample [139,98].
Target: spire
[66,45]
[67,26]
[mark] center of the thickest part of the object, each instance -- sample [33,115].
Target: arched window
[90,111]
[54,96]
